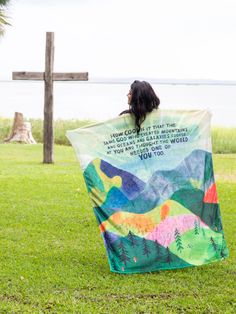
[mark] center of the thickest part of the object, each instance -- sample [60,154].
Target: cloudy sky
[123,38]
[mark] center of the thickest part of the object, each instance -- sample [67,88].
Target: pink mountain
[164,233]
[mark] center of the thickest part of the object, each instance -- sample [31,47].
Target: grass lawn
[53,260]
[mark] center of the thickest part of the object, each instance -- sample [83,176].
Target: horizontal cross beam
[39,76]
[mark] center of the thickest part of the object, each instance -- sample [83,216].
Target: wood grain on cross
[48,77]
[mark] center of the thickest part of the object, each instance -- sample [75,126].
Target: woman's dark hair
[143,100]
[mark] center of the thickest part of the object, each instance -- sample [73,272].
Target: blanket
[153,193]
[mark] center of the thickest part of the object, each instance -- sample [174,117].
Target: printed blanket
[154,193]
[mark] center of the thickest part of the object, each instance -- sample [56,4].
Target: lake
[101,101]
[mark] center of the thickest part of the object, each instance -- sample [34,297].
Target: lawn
[52,256]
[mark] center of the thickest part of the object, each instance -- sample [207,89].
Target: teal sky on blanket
[120,132]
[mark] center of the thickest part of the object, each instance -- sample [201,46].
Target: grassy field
[52,256]
[223,139]
[60,128]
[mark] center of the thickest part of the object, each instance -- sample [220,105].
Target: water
[101,101]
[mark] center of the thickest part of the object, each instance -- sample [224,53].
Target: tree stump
[21,131]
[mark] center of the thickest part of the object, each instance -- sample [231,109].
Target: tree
[168,259]
[132,239]
[178,240]
[3,18]
[113,263]
[196,231]
[157,249]
[123,253]
[146,250]
[213,244]
[203,232]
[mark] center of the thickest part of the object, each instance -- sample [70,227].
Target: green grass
[60,128]
[52,256]
[223,139]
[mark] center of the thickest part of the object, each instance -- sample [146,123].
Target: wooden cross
[48,77]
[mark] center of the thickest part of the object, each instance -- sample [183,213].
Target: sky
[184,39]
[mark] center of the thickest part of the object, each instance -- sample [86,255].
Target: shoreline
[89,120]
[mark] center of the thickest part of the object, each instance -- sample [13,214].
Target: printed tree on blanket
[132,239]
[146,249]
[123,253]
[196,227]
[213,244]
[168,258]
[178,240]
[157,249]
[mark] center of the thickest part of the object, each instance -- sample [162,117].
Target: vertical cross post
[48,136]
[48,77]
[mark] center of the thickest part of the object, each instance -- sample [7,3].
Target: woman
[141,99]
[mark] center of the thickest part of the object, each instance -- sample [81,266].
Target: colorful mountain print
[174,213]
[153,193]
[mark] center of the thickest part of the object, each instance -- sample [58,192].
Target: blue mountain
[163,184]
[131,185]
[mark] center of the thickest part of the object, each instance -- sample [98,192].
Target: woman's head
[141,99]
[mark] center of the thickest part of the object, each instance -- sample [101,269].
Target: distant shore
[103,98]
[223,139]
[158,81]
